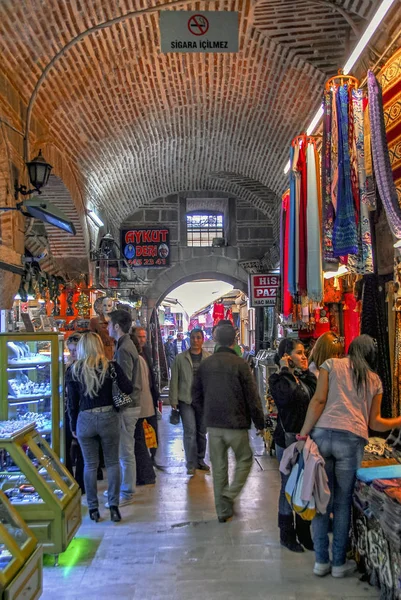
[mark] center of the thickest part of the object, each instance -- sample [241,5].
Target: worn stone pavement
[170,546]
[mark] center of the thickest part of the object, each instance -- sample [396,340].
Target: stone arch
[215,266]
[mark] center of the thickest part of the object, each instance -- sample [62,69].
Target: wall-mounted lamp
[39,172]
[95,218]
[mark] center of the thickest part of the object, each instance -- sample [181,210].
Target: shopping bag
[293,492]
[150,435]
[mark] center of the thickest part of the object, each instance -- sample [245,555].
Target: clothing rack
[303,139]
[341,79]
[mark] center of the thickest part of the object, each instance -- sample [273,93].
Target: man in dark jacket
[170,351]
[225,390]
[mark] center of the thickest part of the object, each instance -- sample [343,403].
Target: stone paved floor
[170,546]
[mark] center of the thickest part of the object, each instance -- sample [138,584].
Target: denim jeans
[220,440]
[194,435]
[342,452]
[128,421]
[94,428]
[283,507]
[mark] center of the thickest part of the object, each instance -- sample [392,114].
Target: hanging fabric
[313,214]
[303,232]
[291,232]
[396,403]
[381,159]
[328,208]
[285,246]
[345,239]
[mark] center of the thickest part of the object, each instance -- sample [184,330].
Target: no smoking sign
[194,31]
[198,25]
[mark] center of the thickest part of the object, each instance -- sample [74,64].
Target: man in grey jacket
[126,355]
[225,391]
[183,371]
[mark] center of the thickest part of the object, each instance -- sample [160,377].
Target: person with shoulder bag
[94,419]
[292,389]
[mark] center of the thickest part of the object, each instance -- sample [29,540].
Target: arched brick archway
[211,267]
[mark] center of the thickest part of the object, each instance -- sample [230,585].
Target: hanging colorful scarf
[396,403]
[292,288]
[362,262]
[328,209]
[314,259]
[345,239]
[334,149]
[352,156]
[381,159]
[285,215]
[370,180]
[303,234]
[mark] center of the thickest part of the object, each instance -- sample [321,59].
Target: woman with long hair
[328,345]
[94,420]
[292,389]
[346,403]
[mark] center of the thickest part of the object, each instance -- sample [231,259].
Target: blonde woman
[328,345]
[94,419]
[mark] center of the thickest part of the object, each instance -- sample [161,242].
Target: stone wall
[248,232]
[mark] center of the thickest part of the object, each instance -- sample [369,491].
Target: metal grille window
[202,228]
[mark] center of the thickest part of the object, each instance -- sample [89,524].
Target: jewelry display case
[38,486]
[20,557]
[32,383]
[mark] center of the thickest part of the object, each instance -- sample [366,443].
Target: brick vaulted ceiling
[136,124]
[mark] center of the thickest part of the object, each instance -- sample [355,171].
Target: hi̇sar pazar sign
[263,289]
[195,31]
[146,247]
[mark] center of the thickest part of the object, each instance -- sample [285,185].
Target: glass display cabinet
[20,557]
[38,486]
[32,383]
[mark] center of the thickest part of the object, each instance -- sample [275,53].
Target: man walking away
[170,351]
[141,335]
[225,390]
[183,371]
[126,355]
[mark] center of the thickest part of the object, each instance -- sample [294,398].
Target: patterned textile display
[351,318]
[303,227]
[374,323]
[158,354]
[345,240]
[397,366]
[328,208]
[381,159]
[390,77]
[362,262]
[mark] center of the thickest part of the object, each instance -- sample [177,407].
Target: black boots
[288,537]
[94,514]
[115,515]
[302,529]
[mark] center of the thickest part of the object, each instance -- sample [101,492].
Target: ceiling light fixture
[39,173]
[95,218]
[361,45]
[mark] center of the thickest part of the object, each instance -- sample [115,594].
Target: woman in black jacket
[94,420]
[292,389]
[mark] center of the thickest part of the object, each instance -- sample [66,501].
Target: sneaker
[321,569]
[105,493]
[203,467]
[191,471]
[348,567]
[122,502]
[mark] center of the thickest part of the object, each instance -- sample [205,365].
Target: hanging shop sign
[146,247]
[192,31]
[263,289]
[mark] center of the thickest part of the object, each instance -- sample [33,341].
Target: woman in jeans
[346,403]
[94,419]
[292,389]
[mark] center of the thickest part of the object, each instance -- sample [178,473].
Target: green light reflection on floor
[79,553]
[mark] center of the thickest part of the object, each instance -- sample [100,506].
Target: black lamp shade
[39,171]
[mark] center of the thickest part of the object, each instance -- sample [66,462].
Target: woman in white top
[346,403]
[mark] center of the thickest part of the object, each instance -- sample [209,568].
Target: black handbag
[174,416]
[120,399]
